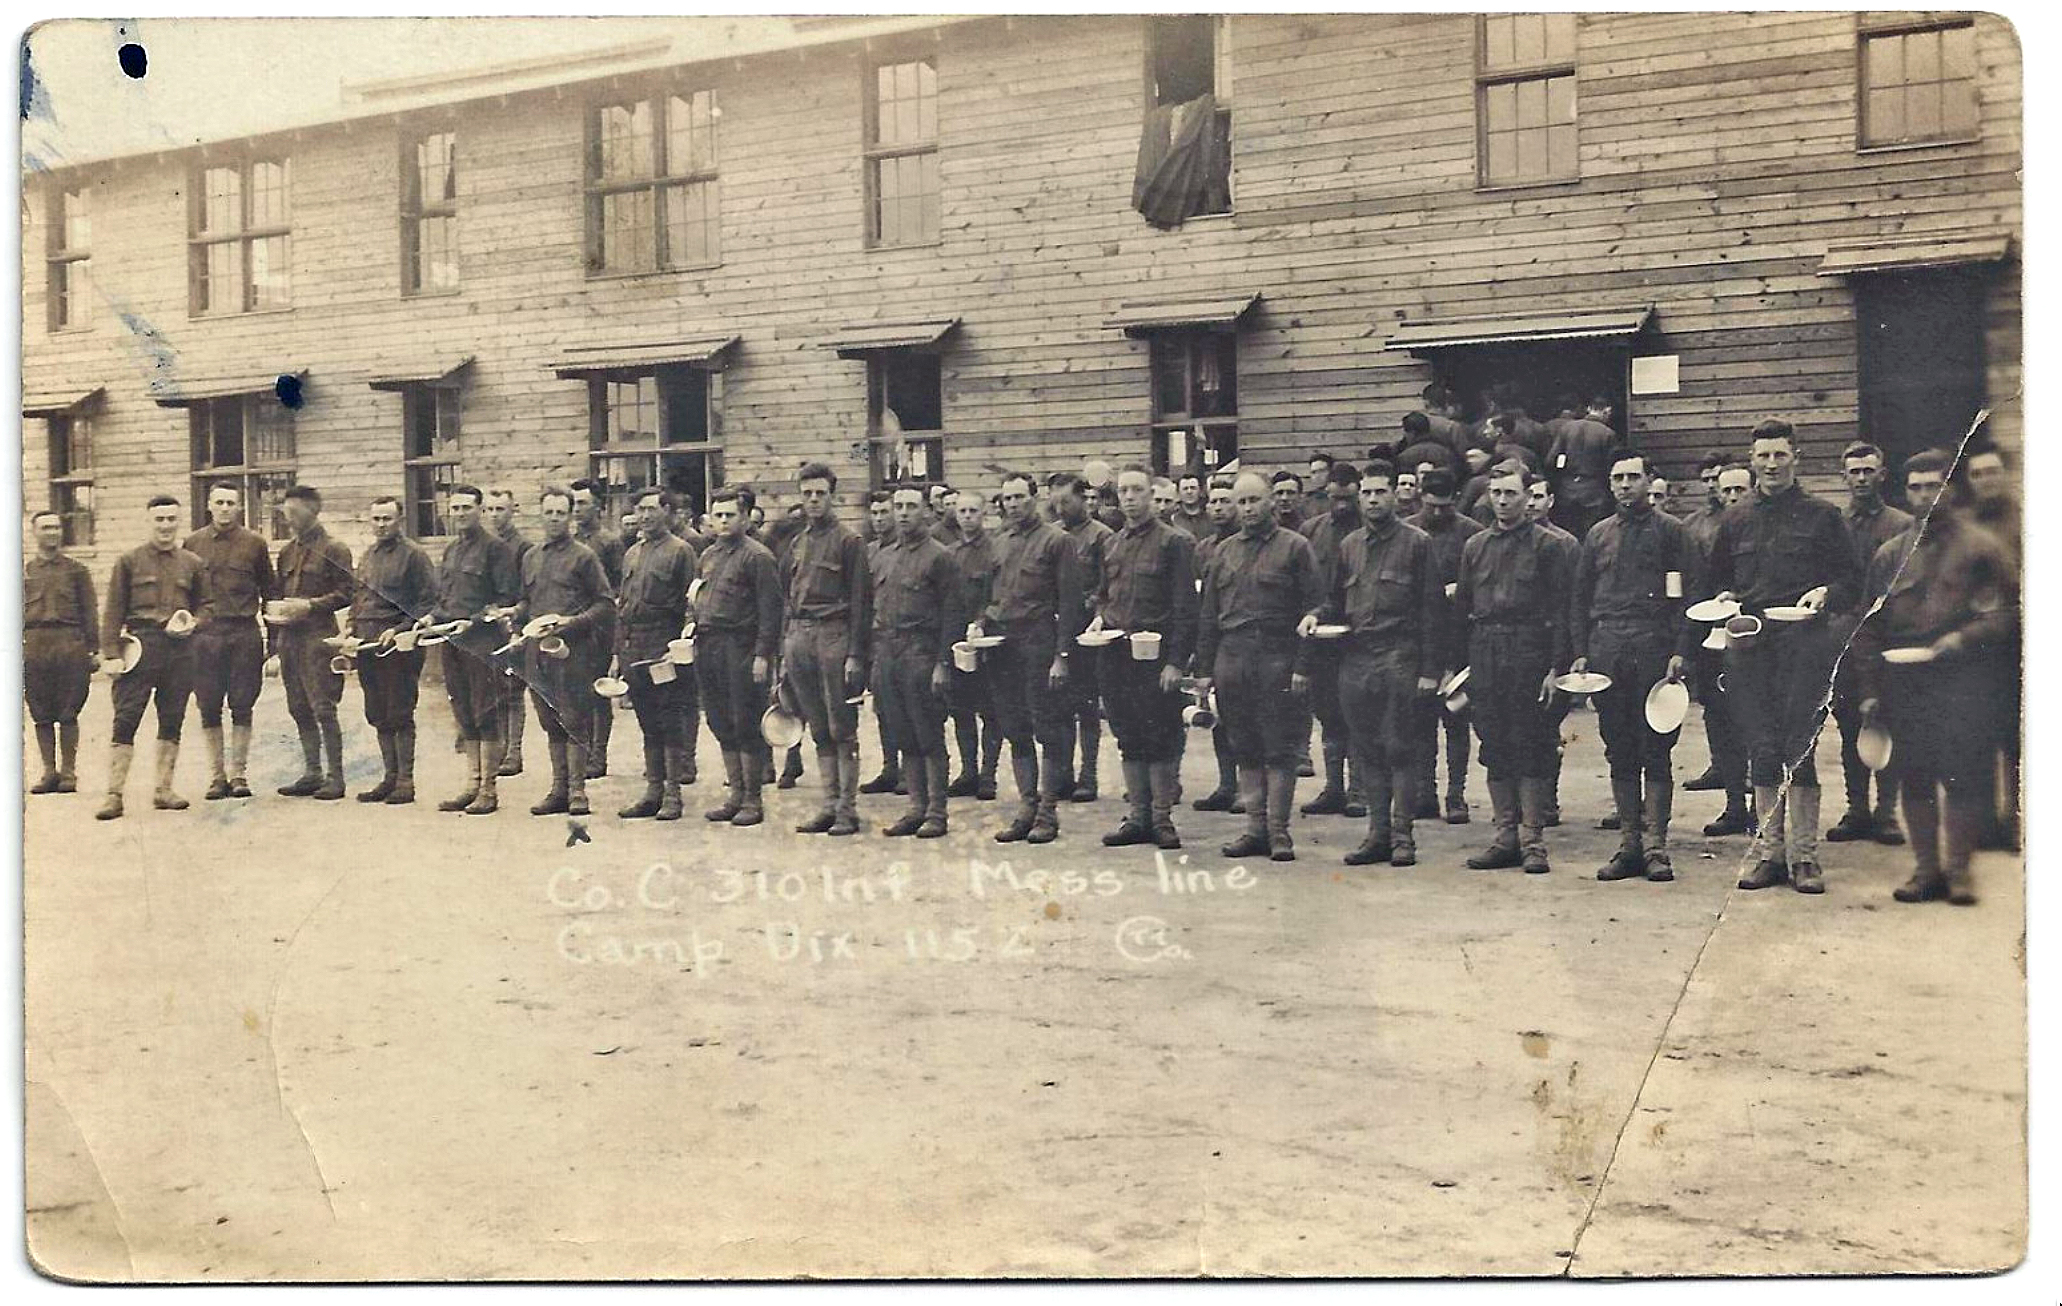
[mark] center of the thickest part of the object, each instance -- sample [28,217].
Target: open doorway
[1536,374]
[1919,346]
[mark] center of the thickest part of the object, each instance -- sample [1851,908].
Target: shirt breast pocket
[1746,563]
[1392,587]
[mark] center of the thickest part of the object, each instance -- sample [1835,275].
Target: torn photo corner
[1023,646]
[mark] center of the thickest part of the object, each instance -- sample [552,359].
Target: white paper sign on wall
[1655,375]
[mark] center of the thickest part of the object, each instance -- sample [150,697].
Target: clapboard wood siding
[1717,156]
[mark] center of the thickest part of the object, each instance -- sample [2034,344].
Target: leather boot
[1085,790]
[1550,794]
[239,759]
[1024,765]
[936,767]
[68,757]
[1404,807]
[1770,863]
[118,760]
[791,769]
[1922,813]
[827,813]
[755,766]
[1630,861]
[554,801]
[1378,845]
[598,751]
[1281,801]
[1253,797]
[218,782]
[576,778]
[46,747]
[991,757]
[912,818]
[1853,827]
[1356,791]
[966,732]
[311,770]
[378,793]
[1045,825]
[1226,794]
[1137,825]
[1710,779]
[1502,853]
[1737,818]
[404,767]
[890,774]
[669,788]
[168,761]
[1164,778]
[733,789]
[1533,793]
[1660,802]
[488,799]
[332,787]
[1884,818]
[654,784]
[1331,800]
[514,715]
[845,820]
[1964,816]
[1803,841]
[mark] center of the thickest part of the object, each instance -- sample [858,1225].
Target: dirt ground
[280,1039]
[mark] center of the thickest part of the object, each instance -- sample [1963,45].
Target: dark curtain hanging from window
[1183,166]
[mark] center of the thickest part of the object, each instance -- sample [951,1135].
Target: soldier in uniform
[829,612]
[651,612]
[1626,620]
[1147,583]
[1164,498]
[563,577]
[1385,586]
[737,639]
[1951,589]
[1702,524]
[1778,547]
[229,647]
[316,582]
[1995,507]
[149,585]
[1447,531]
[590,528]
[1258,585]
[60,630]
[1037,608]
[1325,533]
[1579,458]
[972,702]
[880,533]
[1721,721]
[916,619]
[1872,523]
[1287,489]
[1539,506]
[1224,524]
[499,512]
[945,526]
[1317,500]
[476,581]
[780,537]
[1083,692]
[395,585]
[1192,508]
[1512,589]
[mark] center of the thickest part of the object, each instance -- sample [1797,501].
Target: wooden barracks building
[923,245]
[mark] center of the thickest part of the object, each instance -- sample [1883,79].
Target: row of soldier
[1241,600]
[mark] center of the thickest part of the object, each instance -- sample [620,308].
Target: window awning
[878,337]
[1222,312]
[1518,328]
[1902,253]
[184,394]
[442,374]
[705,352]
[58,403]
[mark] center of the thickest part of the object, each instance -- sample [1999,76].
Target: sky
[210,79]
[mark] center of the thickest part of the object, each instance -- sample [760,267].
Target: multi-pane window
[1195,378]
[71,245]
[902,191]
[905,417]
[247,440]
[651,184]
[656,428]
[71,475]
[429,419]
[238,253]
[1525,98]
[429,214]
[1918,85]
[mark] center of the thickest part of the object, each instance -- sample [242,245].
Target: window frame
[1221,86]
[878,442]
[250,476]
[1487,77]
[426,517]
[63,260]
[61,432]
[601,452]
[243,237]
[415,210]
[596,190]
[873,153]
[1160,425]
[1867,30]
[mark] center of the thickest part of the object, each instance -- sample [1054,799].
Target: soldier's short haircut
[817,472]
[1030,483]
[379,499]
[664,496]
[1344,474]
[1774,428]
[1074,481]
[1860,449]
[555,492]
[35,517]
[589,484]
[1927,460]
[1377,469]
[230,486]
[1143,470]
[881,496]
[1621,454]
[1713,460]
[1189,475]
[913,487]
[499,493]
[1222,481]
[1527,478]
[1320,456]
[162,501]
[463,488]
[940,487]
[305,493]
[1157,481]
[1437,481]
[1417,424]
[1285,475]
